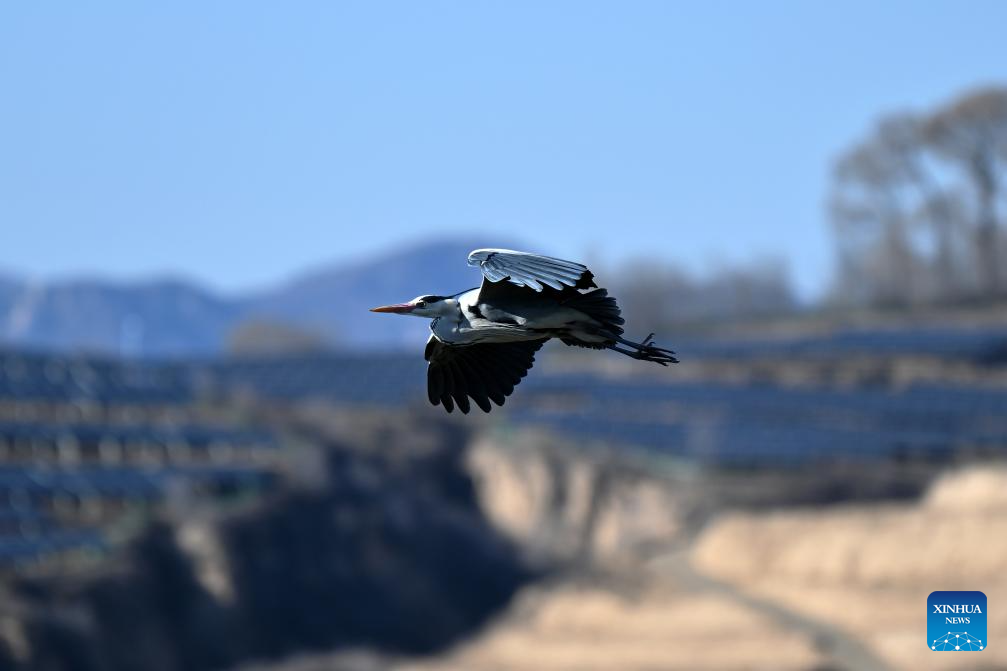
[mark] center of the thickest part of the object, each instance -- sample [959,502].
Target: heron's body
[484,340]
[467,320]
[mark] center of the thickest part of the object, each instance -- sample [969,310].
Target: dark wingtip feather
[486,373]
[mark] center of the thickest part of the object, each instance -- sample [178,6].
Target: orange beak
[398,308]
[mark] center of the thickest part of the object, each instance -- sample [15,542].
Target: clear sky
[239,142]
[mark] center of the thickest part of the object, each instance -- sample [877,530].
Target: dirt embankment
[869,569]
[388,550]
[421,546]
[779,587]
[567,505]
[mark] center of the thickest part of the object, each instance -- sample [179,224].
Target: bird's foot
[647,351]
[655,354]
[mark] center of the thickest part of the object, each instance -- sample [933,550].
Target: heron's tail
[601,307]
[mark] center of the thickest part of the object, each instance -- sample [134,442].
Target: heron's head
[421,306]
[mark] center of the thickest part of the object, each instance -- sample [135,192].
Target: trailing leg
[644,351]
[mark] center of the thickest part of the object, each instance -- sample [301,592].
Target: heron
[483,340]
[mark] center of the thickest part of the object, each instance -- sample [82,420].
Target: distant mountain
[163,318]
[177,318]
[335,301]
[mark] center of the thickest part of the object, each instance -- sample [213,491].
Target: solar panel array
[762,425]
[714,423]
[710,423]
[985,344]
[382,379]
[45,377]
[56,474]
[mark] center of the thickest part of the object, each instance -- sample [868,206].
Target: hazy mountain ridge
[335,300]
[162,317]
[171,317]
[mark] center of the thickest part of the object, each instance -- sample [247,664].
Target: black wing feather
[483,372]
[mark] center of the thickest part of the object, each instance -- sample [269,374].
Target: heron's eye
[421,304]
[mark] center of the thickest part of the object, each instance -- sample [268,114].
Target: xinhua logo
[956,621]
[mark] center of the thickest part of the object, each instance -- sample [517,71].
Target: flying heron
[484,339]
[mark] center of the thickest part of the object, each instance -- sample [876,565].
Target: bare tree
[971,133]
[658,297]
[915,206]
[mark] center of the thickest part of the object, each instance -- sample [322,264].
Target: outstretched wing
[528,270]
[485,371]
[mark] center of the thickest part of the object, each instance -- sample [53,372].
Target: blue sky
[236,143]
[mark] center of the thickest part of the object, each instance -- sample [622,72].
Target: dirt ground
[660,627]
[825,588]
[869,570]
[842,587]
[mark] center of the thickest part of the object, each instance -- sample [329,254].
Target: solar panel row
[704,422]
